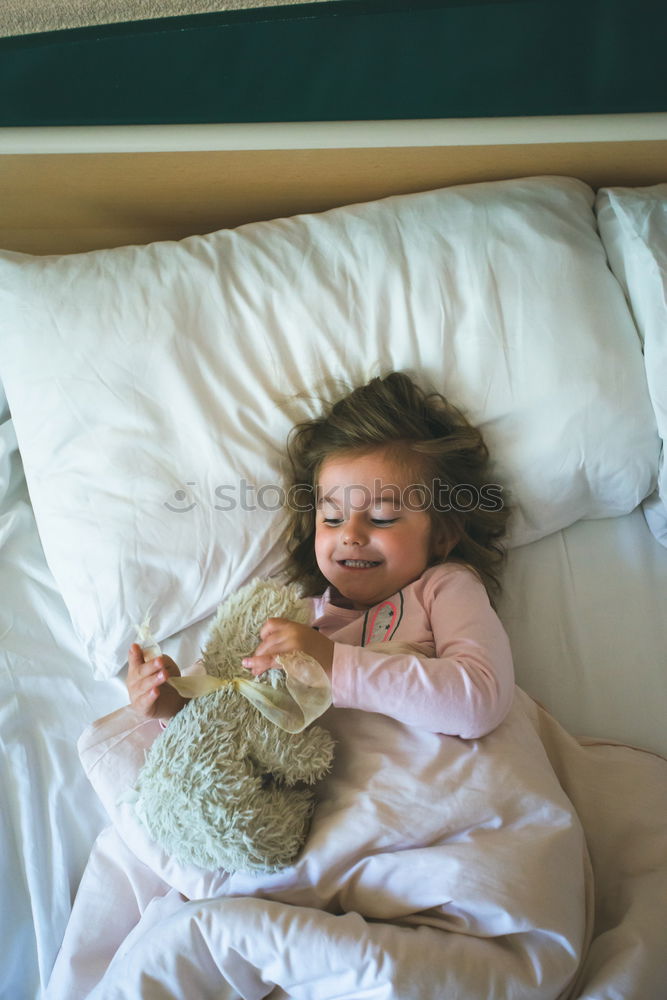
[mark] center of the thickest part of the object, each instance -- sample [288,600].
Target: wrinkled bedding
[434,867]
[235,946]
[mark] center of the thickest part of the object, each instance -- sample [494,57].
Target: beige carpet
[22,17]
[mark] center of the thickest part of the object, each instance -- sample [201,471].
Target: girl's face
[370,541]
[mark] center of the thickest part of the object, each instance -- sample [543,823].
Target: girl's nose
[354,533]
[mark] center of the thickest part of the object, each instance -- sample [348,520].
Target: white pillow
[153,387]
[633,227]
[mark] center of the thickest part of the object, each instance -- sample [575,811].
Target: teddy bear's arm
[293,757]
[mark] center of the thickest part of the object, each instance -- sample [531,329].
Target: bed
[112,296]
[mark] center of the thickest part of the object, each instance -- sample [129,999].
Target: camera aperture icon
[183,499]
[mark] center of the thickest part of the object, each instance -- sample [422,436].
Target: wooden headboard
[73,189]
[108,134]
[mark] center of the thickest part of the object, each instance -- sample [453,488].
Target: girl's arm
[465,689]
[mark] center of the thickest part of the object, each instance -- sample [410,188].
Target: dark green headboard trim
[344,61]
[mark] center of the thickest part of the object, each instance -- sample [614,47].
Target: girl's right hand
[149,693]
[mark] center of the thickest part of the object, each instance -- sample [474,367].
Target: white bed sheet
[48,817]
[584,612]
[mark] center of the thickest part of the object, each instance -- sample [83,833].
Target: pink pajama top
[462,681]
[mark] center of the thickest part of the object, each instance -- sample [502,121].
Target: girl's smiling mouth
[357,563]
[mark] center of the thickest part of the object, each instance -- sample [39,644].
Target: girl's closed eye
[379,521]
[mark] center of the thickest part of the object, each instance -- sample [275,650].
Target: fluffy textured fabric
[223,787]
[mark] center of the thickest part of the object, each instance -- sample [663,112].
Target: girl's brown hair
[432,440]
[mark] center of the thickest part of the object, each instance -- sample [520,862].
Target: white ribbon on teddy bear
[305,696]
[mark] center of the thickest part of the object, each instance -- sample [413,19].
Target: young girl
[397,527]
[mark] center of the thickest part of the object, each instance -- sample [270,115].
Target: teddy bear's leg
[280,821]
[294,757]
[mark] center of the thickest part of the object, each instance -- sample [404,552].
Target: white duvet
[239,946]
[435,867]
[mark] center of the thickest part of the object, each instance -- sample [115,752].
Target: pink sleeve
[465,690]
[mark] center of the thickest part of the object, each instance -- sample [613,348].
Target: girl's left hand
[280,635]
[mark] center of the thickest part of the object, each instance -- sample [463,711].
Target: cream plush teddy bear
[223,786]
